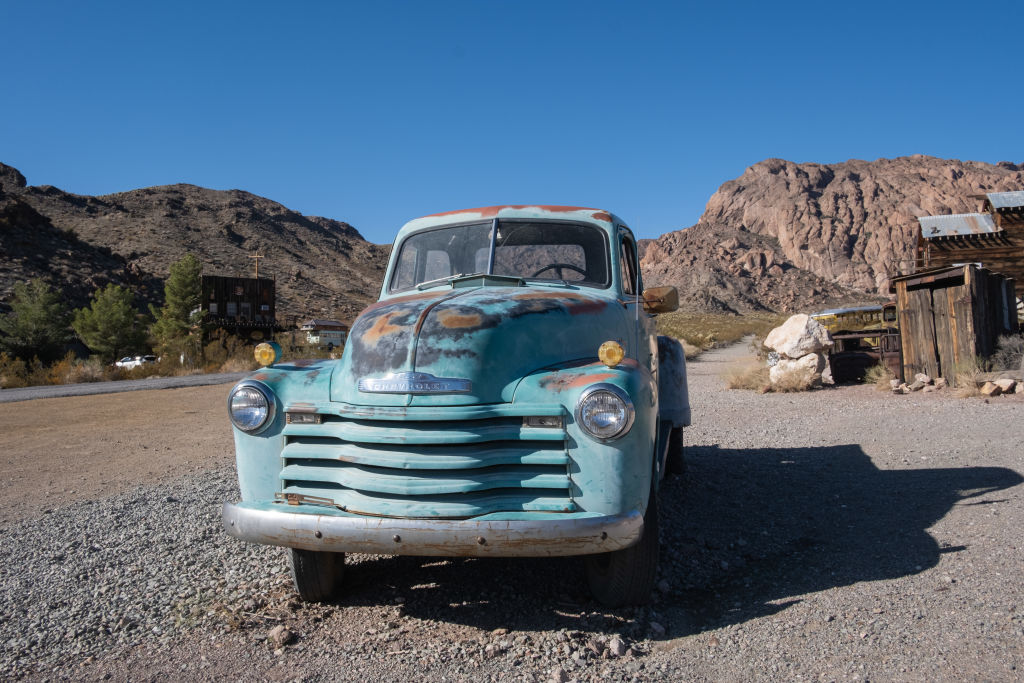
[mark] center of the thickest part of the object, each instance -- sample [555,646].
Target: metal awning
[1006,200]
[957,224]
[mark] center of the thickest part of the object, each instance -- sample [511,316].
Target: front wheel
[626,577]
[317,575]
[675,460]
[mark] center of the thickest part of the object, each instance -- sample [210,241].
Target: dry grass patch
[880,376]
[748,374]
[703,331]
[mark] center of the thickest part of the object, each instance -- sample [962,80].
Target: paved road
[29,393]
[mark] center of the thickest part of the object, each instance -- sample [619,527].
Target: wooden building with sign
[243,306]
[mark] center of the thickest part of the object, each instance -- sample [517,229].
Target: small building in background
[329,334]
[243,306]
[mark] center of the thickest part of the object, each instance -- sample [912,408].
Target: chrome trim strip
[414,383]
[442,537]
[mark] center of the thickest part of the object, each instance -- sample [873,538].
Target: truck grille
[428,468]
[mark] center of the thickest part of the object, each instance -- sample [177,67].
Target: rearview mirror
[661,299]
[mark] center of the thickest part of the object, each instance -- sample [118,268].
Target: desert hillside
[784,235]
[323,267]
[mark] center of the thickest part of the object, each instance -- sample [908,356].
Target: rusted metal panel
[957,224]
[1006,200]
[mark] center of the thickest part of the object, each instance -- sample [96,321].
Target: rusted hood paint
[491,335]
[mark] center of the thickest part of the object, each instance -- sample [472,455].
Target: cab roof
[548,212]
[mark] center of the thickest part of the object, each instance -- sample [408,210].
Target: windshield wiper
[439,281]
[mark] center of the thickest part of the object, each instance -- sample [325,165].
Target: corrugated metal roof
[853,309]
[317,323]
[1006,200]
[957,224]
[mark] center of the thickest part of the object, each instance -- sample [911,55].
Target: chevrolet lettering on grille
[414,383]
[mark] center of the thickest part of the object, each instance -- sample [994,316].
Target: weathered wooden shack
[950,316]
[994,239]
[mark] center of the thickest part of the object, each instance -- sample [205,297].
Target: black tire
[317,576]
[626,577]
[675,459]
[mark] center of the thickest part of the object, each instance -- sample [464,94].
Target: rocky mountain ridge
[322,267]
[785,236]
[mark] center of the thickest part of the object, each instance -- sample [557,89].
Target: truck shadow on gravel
[745,533]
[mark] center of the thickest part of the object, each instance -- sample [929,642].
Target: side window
[627,265]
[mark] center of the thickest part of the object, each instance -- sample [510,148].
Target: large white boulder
[802,373]
[799,336]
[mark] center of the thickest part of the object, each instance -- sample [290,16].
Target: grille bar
[428,482]
[453,506]
[438,457]
[427,433]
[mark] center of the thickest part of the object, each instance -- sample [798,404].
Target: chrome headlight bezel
[627,407]
[267,396]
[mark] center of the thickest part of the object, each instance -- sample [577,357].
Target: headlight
[251,406]
[605,412]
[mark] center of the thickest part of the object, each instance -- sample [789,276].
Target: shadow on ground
[744,534]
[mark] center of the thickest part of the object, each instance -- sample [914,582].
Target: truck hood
[491,336]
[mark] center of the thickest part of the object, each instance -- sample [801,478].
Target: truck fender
[673,392]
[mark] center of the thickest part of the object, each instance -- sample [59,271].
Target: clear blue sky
[377,112]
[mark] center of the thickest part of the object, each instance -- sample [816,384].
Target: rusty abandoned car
[507,396]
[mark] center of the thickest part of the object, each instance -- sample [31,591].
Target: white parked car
[129,362]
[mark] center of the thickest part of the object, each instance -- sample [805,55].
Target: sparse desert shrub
[60,371]
[689,350]
[92,370]
[748,374]
[13,372]
[879,375]
[239,364]
[967,375]
[1009,353]
[791,383]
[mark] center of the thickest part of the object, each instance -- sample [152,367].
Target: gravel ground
[838,535]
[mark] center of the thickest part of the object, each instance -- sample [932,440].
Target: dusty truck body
[506,396]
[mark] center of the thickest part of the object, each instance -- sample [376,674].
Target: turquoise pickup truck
[507,396]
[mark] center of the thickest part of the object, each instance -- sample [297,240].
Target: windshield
[533,250]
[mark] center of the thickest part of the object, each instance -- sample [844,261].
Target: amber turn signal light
[267,353]
[611,353]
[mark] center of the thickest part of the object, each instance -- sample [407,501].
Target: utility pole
[257,256]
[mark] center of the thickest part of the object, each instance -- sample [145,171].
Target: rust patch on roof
[492,211]
[453,320]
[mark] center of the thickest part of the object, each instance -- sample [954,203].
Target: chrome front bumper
[443,537]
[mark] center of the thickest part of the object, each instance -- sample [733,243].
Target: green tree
[177,326]
[37,325]
[110,326]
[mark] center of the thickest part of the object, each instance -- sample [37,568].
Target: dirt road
[59,450]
